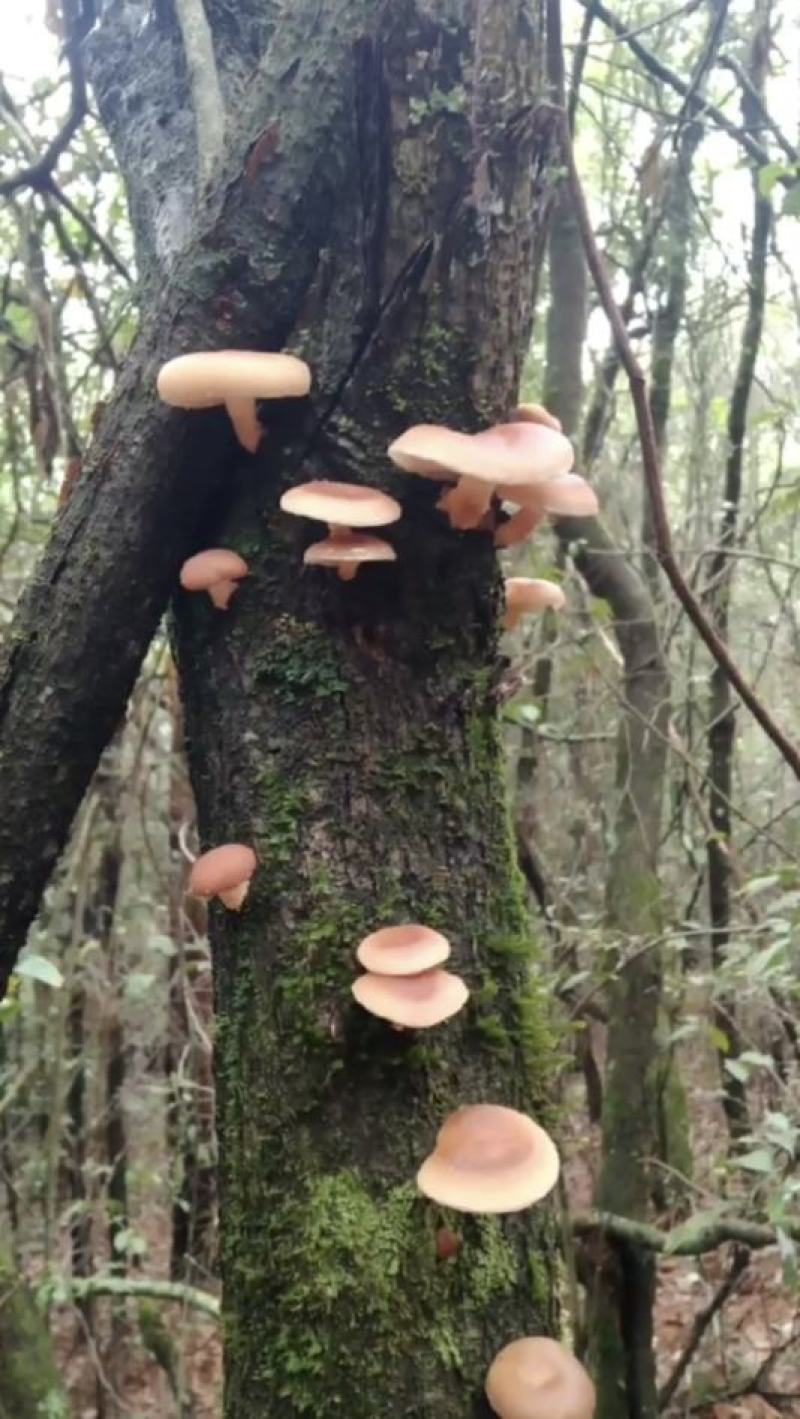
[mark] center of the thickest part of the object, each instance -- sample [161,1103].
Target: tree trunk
[375,206]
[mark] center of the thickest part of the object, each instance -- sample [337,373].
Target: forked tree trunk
[379,218]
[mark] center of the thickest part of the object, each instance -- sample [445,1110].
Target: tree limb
[207,102]
[700,1324]
[36,175]
[697,1235]
[144,1289]
[148,488]
[696,103]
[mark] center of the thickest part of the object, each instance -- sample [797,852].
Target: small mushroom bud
[224,872]
[216,571]
[448,1244]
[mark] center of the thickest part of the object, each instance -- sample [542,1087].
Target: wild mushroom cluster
[487,1158]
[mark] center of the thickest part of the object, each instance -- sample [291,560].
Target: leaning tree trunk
[374,206]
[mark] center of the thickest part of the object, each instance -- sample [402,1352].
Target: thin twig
[700,1324]
[207,102]
[36,174]
[691,1238]
[650,459]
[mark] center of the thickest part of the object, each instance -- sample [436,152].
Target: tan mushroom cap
[210,377]
[525,593]
[489,1159]
[216,571]
[567,496]
[536,1378]
[347,551]
[417,1002]
[403,950]
[224,872]
[235,378]
[535,414]
[519,455]
[343,505]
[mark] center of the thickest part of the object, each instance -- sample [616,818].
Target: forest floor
[746,1366]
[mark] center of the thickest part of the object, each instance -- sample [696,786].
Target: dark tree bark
[383,182]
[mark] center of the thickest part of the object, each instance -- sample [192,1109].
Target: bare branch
[36,175]
[207,102]
[691,1238]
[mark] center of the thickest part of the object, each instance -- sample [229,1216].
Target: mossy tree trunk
[348,732]
[375,206]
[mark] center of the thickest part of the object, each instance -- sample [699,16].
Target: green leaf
[769,175]
[760,1160]
[38,968]
[791,202]
[738,1070]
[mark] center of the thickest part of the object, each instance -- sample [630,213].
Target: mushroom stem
[234,899]
[347,570]
[244,417]
[512,617]
[466,503]
[519,526]
[221,593]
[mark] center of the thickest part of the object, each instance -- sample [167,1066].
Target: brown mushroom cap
[535,414]
[199,381]
[416,1002]
[224,872]
[341,504]
[536,1378]
[525,593]
[489,1159]
[216,571]
[403,950]
[347,551]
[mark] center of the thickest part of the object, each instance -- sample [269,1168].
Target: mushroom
[536,1378]
[216,571]
[516,455]
[567,496]
[403,950]
[235,378]
[535,414]
[525,593]
[489,1159]
[347,551]
[414,1002]
[343,506]
[224,872]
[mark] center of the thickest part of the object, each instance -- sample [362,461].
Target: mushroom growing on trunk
[489,1159]
[413,1002]
[216,571]
[536,1378]
[224,872]
[235,378]
[344,506]
[526,593]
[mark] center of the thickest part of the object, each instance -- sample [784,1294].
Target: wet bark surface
[380,221]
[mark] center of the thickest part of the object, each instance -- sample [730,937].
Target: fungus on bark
[224,872]
[343,506]
[489,1158]
[525,593]
[347,551]
[415,1002]
[217,571]
[536,1378]
[567,496]
[235,378]
[515,455]
[403,950]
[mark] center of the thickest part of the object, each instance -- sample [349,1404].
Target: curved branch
[691,1238]
[145,1290]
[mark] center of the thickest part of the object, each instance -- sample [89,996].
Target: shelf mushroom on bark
[224,872]
[519,455]
[235,378]
[344,506]
[537,1378]
[526,593]
[489,1159]
[217,571]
